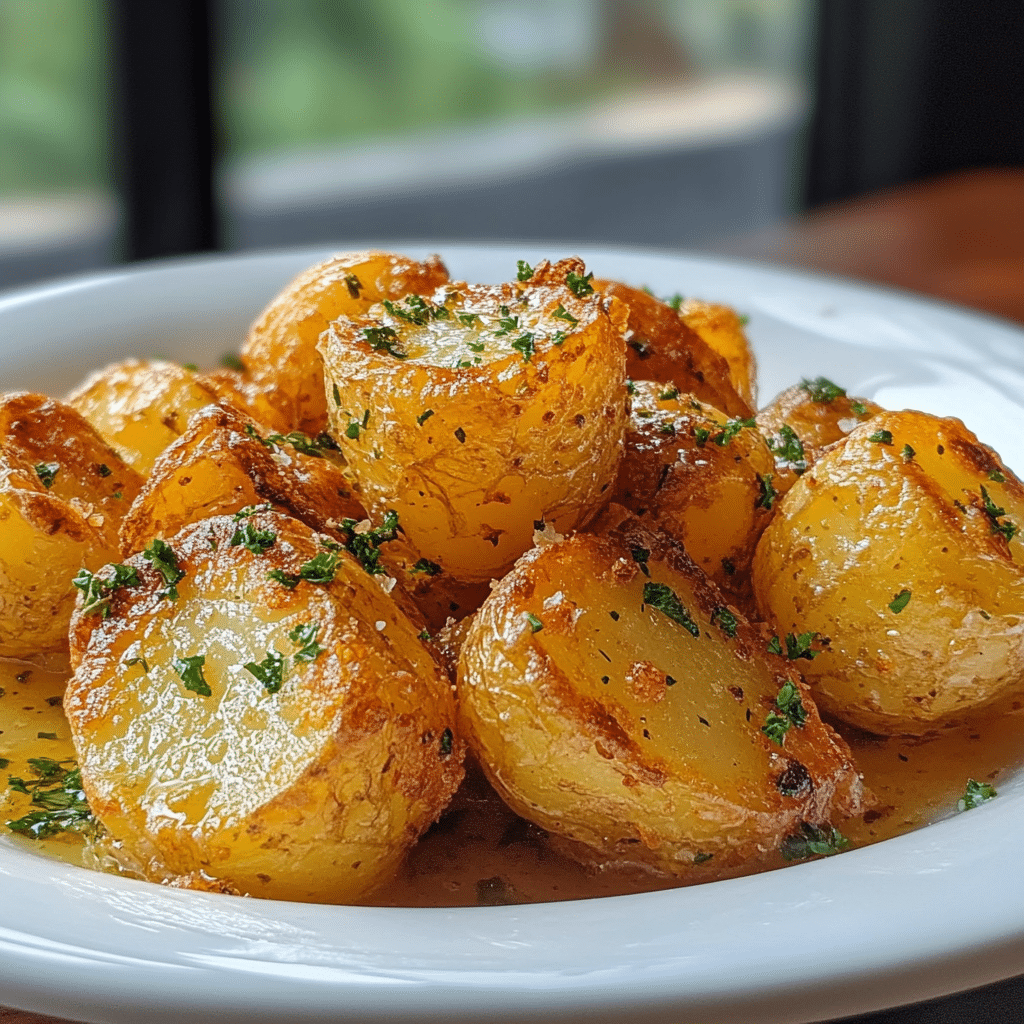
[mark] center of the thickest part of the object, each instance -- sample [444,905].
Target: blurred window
[662,121]
[57,212]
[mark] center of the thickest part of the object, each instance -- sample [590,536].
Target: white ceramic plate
[929,913]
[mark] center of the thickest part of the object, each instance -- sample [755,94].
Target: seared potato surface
[899,550]
[255,708]
[721,328]
[614,698]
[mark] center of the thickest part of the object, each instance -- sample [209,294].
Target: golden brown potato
[894,553]
[613,698]
[481,411]
[254,708]
[63,491]
[703,478]
[804,420]
[280,354]
[233,388]
[139,407]
[721,328]
[224,462]
[663,348]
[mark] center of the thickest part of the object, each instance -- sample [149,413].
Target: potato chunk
[898,549]
[721,329]
[256,709]
[63,492]
[280,354]
[482,411]
[703,478]
[614,699]
[140,406]
[663,348]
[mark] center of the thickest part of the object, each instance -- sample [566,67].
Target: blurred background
[143,128]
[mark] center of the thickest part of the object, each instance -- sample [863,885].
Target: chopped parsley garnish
[425,565]
[789,711]
[423,635]
[668,394]
[269,671]
[1008,529]
[104,470]
[468,319]
[562,314]
[446,742]
[320,568]
[675,301]
[162,557]
[353,284]
[352,430]
[640,556]
[730,430]
[299,441]
[130,662]
[523,270]
[899,602]
[383,339]
[190,672]
[364,546]
[57,793]
[96,591]
[460,435]
[768,492]
[46,735]
[975,794]
[665,600]
[416,313]
[859,408]
[797,646]
[524,344]
[305,636]
[668,428]
[230,361]
[725,620]
[701,857]
[535,624]
[994,474]
[579,284]
[821,389]
[630,387]
[701,436]
[813,841]
[286,579]
[788,448]
[47,471]
[256,541]
[337,395]
[881,437]
[424,416]
[907,452]
[249,511]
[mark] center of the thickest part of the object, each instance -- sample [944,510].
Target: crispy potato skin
[472,455]
[662,347]
[140,406]
[280,354]
[702,481]
[603,720]
[310,793]
[872,520]
[48,533]
[721,328]
[224,462]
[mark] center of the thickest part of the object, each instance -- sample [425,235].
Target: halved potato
[721,328]
[898,552]
[482,411]
[663,348]
[258,710]
[141,406]
[615,699]
[703,478]
[280,355]
[63,492]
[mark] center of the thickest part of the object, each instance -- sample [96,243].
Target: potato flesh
[283,365]
[581,732]
[868,522]
[472,456]
[140,407]
[310,793]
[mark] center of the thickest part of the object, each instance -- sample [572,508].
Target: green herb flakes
[269,671]
[665,600]
[363,544]
[383,339]
[975,794]
[230,361]
[899,602]
[562,314]
[58,797]
[190,672]
[535,624]
[821,389]
[907,452]
[424,416]
[1006,529]
[813,841]
[523,270]
[768,492]
[47,471]
[881,437]
[162,557]
[353,284]
[426,566]
[524,344]
[579,284]
[789,449]
[725,620]
[252,539]
[446,743]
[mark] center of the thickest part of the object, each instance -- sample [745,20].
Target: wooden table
[959,238]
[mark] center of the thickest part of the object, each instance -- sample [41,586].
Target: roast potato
[663,348]
[721,329]
[898,552]
[482,411]
[614,698]
[63,492]
[140,406]
[280,355]
[703,478]
[256,709]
